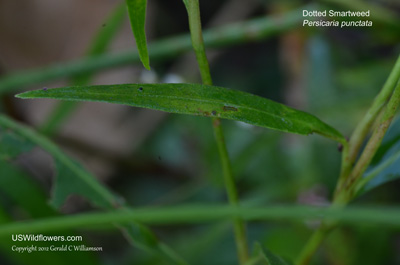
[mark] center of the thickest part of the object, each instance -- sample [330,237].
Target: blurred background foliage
[152,158]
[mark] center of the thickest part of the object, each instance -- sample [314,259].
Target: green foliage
[385,166]
[13,177]
[12,145]
[73,178]
[137,15]
[266,165]
[201,100]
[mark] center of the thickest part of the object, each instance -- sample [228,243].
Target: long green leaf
[199,100]
[137,16]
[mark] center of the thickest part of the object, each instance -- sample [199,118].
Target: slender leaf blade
[12,145]
[200,100]
[137,16]
[74,179]
[17,185]
[90,188]
[385,165]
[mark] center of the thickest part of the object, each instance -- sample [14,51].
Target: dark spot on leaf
[340,148]
[140,88]
[103,25]
[204,113]
[213,113]
[229,108]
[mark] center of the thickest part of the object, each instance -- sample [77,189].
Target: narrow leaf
[72,178]
[69,181]
[17,185]
[385,166]
[137,16]
[388,170]
[12,145]
[201,100]
[69,171]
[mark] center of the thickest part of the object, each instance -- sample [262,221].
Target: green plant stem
[348,180]
[364,126]
[193,10]
[200,214]
[373,143]
[243,32]
[311,246]
[239,224]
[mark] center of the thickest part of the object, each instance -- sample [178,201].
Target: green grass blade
[201,100]
[137,16]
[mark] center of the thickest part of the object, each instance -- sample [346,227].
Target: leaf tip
[22,95]
[146,63]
